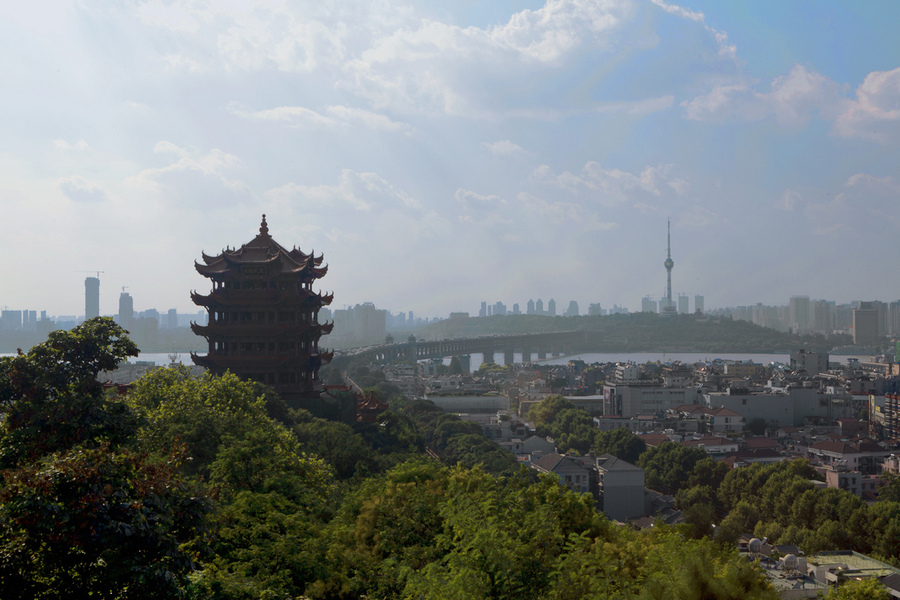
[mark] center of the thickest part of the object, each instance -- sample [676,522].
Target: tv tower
[669,308]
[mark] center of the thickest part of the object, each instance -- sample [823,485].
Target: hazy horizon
[440,155]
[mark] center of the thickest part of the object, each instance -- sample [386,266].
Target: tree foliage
[621,443]
[82,512]
[669,467]
[51,397]
[209,487]
[92,522]
[859,589]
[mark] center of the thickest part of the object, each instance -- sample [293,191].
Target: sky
[441,154]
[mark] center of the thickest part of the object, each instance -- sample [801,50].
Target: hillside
[640,332]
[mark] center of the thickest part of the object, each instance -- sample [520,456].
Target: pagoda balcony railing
[260,331]
[246,360]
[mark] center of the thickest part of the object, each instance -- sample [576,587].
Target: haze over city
[444,154]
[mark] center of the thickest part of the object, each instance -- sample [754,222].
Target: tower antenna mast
[670,307]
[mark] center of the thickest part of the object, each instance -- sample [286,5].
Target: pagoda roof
[244,363]
[258,297]
[262,251]
[215,330]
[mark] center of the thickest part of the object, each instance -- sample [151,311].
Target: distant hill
[640,332]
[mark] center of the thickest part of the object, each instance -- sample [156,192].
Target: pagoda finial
[263,228]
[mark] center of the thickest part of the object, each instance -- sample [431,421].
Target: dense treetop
[209,487]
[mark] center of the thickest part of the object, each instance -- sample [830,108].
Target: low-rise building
[620,488]
[861,455]
[576,473]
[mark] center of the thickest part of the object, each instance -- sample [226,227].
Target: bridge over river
[531,345]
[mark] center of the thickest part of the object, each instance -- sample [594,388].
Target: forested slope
[211,488]
[640,332]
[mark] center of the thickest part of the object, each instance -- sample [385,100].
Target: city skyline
[440,155]
[91,297]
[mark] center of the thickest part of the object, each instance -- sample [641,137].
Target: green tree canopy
[51,397]
[621,443]
[92,523]
[547,409]
[669,466]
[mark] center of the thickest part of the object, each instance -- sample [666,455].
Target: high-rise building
[648,304]
[865,323]
[10,320]
[530,307]
[264,316]
[91,297]
[698,304]
[539,307]
[894,318]
[126,309]
[822,316]
[551,307]
[798,320]
[572,311]
[683,304]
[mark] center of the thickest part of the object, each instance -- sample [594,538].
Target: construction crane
[97,272]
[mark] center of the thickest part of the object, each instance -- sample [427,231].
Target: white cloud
[790,200]
[244,36]
[477,72]
[194,179]
[79,189]
[297,116]
[468,197]
[176,16]
[614,186]
[549,212]
[725,49]
[792,100]
[504,148]
[364,192]
[368,119]
[802,94]
[560,27]
[337,116]
[638,108]
[864,209]
[875,114]
[64,146]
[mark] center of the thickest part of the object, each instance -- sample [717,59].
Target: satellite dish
[755,545]
[791,563]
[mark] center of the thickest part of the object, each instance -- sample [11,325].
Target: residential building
[620,487]
[575,473]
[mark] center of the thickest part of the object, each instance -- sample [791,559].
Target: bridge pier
[556,344]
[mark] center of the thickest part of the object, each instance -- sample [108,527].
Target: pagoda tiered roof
[263,315]
[249,362]
[229,331]
[262,252]
[259,298]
